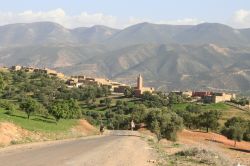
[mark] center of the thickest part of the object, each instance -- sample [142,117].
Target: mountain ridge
[169,56]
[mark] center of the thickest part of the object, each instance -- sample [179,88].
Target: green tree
[209,119]
[234,133]
[139,113]
[235,129]
[170,123]
[108,102]
[190,116]
[190,119]
[129,92]
[246,135]
[2,83]
[58,109]
[119,104]
[194,108]
[156,129]
[74,109]
[8,106]
[29,105]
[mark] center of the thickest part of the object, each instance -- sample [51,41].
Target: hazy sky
[122,13]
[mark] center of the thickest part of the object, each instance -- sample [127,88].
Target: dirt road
[110,150]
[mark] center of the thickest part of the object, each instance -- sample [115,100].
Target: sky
[123,13]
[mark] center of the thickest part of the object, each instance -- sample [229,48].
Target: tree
[174,99]
[128,92]
[29,105]
[189,119]
[9,106]
[190,116]
[154,100]
[156,129]
[169,122]
[194,108]
[57,110]
[108,102]
[120,122]
[209,119]
[139,113]
[234,129]
[119,104]
[234,133]
[2,83]
[246,135]
[74,110]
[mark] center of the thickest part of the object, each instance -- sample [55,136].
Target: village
[120,88]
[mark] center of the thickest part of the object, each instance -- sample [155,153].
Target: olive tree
[234,129]
[29,105]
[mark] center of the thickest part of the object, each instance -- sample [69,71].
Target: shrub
[8,106]
[169,122]
[235,129]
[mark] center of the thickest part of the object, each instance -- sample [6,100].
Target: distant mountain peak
[177,56]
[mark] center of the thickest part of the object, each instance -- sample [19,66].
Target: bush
[8,106]
[235,129]
[169,122]
[246,135]
[203,156]
[66,109]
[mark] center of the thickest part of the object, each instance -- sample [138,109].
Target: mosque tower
[139,82]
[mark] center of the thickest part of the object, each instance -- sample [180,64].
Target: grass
[227,110]
[37,123]
[181,106]
[216,106]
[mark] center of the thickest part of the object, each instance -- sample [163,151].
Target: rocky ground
[201,149]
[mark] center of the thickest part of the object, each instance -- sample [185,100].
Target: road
[109,150]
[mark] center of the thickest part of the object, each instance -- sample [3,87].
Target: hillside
[170,57]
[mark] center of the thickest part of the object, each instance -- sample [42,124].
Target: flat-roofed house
[16,67]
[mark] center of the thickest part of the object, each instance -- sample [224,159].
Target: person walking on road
[101,129]
[132,125]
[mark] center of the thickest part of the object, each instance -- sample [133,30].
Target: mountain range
[205,56]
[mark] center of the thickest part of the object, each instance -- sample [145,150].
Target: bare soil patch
[12,134]
[84,128]
[192,137]
[218,144]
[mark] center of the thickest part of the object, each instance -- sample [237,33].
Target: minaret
[139,82]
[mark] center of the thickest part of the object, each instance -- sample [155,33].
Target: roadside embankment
[11,133]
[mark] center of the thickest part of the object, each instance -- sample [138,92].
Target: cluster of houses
[34,69]
[116,87]
[207,96]
[79,81]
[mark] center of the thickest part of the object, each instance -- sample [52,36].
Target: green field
[37,123]
[217,106]
[227,111]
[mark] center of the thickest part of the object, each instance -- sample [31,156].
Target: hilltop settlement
[116,87]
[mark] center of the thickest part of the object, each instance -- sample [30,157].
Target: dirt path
[93,151]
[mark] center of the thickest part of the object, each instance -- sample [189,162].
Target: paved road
[93,151]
